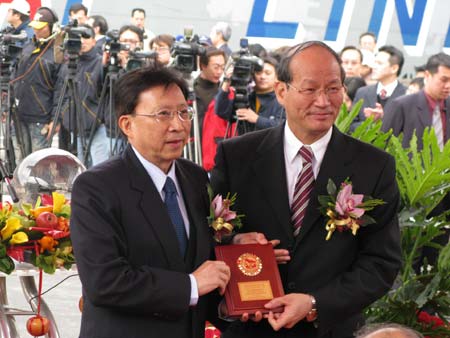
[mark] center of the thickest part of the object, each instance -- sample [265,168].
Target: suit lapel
[195,204]
[269,168]
[372,97]
[154,210]
[424,114]
[335,166]
[398,91]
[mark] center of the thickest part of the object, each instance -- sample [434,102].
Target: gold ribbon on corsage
[219,224]
[333,223]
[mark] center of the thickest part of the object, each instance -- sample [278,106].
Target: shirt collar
[292,144]
[156,174]
[388,88]
[432,102]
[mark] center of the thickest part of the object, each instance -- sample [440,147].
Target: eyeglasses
[186,114]
[130,41]
[161,49]
[314,93]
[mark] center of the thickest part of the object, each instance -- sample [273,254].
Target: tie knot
[169,186]
[306,153]
[383,94]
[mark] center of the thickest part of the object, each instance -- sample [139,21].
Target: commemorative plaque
[254,280]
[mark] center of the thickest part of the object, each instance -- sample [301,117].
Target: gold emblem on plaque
[249,264]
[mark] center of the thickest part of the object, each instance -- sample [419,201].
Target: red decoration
[430,322]
[81,304]
[38,326]
[211,331]
[47,220]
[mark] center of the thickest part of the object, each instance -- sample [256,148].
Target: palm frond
[345,117]
[422,175]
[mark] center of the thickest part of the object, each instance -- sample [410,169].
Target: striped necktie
[303,187]
[436,123]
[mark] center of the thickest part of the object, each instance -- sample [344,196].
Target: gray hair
[367,330]
[223,28]
[283,69]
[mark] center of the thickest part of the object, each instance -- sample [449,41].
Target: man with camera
[120,47]
[261,110]
[36,87]
[89,81]
[19,17]
[206,85]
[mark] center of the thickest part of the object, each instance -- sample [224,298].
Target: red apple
[38,326]
[47,220]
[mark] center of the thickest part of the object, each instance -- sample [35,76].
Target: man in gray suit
[412,113]
[388,66]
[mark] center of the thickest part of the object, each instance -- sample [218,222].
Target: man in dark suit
[327,283]
[388,66]
[139,221]
[412,113]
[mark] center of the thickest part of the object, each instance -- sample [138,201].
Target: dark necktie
[383,94]
[170,199]
[303,187]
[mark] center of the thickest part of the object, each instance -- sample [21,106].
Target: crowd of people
[85,119]
[139,228]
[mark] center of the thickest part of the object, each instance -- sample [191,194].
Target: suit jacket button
[291,285]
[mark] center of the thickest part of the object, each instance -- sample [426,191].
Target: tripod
[195,154]
[76,119]
[106,109]
[6,65]
[238,124]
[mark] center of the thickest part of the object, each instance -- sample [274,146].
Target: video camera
[185,52]
[72,41]
[245,64]
[112,45]
[139,58]
[8,48]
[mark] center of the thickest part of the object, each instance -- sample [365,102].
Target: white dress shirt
[159,179]
[388,88]
[293,160]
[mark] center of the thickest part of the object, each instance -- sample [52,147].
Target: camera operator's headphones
[54,18]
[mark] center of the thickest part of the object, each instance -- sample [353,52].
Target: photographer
[89,80]
[129,39]
[162,44]
[19,18]
[36,86]
[206,85]
[263,111]
[133,37]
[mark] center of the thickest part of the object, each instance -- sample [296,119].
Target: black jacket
[36,84]
[89,80]
[270,113]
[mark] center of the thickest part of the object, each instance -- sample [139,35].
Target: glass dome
[45,171]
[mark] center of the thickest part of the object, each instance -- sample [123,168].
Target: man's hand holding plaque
[254,280]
